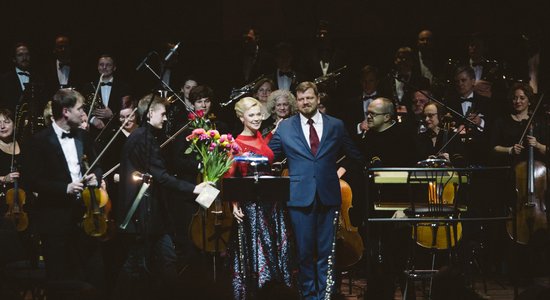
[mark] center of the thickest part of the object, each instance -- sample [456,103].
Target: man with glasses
[386,141]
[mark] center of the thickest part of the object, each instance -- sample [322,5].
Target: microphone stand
[416,89]
[165,85]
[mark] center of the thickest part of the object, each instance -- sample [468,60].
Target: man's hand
[98,123]
[484,88]
[364,126]
[91,179]
[74,188]
[103,113]
[475,118]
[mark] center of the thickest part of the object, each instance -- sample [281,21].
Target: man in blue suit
[312,141]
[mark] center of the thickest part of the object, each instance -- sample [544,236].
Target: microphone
[144,60]
[171,52]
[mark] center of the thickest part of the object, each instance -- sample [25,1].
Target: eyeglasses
[429,116]
[373,114]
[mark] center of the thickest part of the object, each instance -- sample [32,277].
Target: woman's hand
[237,212]
[516,149]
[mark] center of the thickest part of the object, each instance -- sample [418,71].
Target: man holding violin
[475,108]
[55,173]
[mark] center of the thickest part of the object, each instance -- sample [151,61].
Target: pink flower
[203,137]
[191,116]
[198,131]
[200,113]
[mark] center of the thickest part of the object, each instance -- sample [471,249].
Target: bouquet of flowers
[215,152]
[199,120]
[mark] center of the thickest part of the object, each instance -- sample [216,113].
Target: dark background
[211,31]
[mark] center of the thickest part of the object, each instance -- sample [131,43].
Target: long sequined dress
[264,253]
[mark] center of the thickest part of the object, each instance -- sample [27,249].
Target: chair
[440,192]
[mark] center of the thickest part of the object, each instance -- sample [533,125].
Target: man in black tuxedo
[60,71]
[475,108]
[285,77]
[113,93]
[151,258]
[55,172]
[21,84]
[355,110]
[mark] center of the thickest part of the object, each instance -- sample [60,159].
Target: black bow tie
[469,99]
[69,135]
[106,83]
[61,65]
[287,74]
[476,64]
[24,74]
[370,97]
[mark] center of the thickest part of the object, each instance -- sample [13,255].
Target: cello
[531,187]
[433,235]
[349,244]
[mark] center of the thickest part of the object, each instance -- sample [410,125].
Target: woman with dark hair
[508,129]
[261,92]
[9,149]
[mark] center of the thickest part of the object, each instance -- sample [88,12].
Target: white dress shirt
[22,78]
[106,92]
[63,73]
[69,150]
[317,123]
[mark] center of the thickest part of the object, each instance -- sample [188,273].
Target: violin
[95,219]
[15,199]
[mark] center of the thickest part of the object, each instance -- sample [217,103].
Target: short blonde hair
[276,95]
[143,104]
[245,104]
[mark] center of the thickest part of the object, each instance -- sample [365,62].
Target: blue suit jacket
[311,174]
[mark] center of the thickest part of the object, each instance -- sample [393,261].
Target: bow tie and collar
[288,74]
[469,98]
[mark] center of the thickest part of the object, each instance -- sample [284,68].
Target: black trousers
[149,271]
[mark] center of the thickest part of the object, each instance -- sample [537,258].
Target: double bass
[531,187]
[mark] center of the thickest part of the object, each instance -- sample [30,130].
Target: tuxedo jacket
[298,78]
[48,175]
[51,80]
[119,89]
[11,91]
[310,174]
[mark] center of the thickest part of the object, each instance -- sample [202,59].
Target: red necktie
[313,137]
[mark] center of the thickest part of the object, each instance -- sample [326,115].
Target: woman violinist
[9,158]
[261,252]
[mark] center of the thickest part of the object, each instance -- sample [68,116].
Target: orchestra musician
[114,93]
[54,172]
[311,143]
[430,143]
[281,104]
[475,108]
